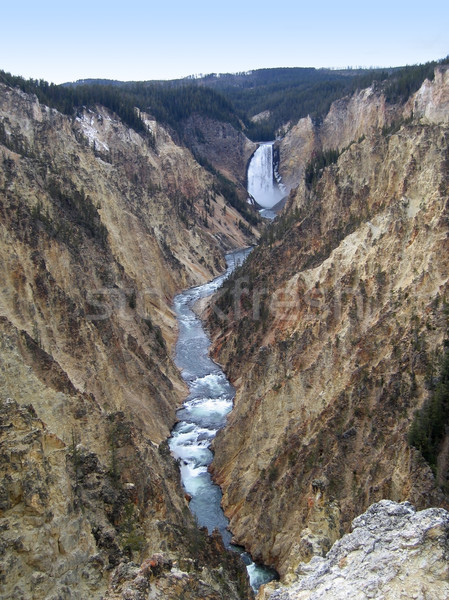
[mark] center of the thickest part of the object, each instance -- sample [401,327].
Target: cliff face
[99,227]
[349,119]
[354,117]
[98,232]
[75,527]
[221,145]
[330,333]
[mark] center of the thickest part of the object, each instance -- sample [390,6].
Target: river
[203,413]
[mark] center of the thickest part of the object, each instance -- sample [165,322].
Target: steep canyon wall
[332,330]
[99,227]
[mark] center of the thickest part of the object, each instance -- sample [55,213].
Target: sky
[137,40]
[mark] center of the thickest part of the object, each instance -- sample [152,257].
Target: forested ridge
[288,94]
[169,105]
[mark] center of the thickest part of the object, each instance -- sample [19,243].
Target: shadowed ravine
[204,412]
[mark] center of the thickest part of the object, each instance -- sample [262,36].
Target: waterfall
[262,184]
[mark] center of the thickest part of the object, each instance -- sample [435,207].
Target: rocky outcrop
[353,117]
[393,552]
[75,527]
[432,100]
[99,227]
[330,333]
[348,119]
[47,548]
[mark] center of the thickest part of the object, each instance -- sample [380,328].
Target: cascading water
[262,184]
[202,415]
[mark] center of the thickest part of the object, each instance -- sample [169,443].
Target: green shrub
[317,164]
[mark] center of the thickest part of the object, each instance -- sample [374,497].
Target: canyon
[331,332]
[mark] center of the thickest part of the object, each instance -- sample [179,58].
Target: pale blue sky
[137,40]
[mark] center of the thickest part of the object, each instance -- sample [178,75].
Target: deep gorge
[331,335]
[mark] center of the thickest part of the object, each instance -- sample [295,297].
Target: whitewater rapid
[203,413]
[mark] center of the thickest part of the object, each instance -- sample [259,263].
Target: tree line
[291,94]
[287,93]
[169,105]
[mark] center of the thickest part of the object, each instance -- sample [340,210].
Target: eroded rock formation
[354,117]
[331,332]
[99,227]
